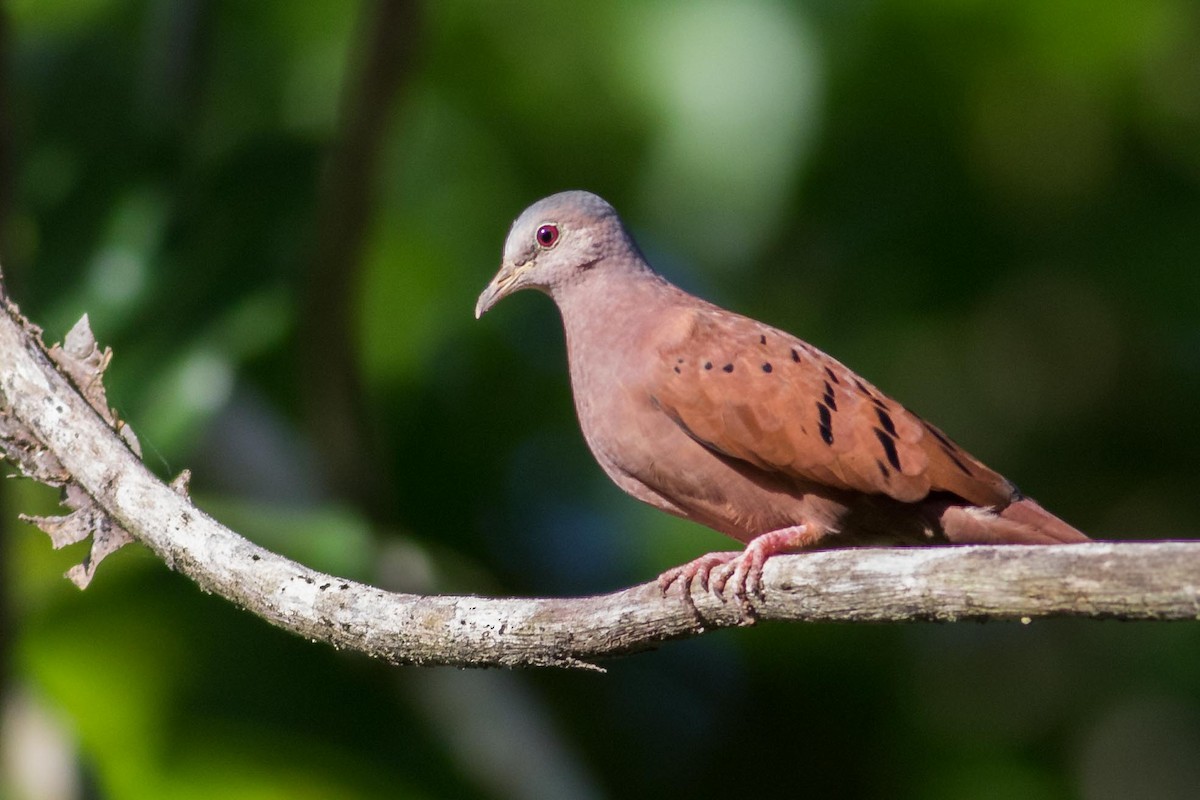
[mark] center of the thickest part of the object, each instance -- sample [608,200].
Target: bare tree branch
[51,427]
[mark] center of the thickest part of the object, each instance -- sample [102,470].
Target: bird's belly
[655,461]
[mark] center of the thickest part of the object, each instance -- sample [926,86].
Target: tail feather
[1022,522]
[1027,512]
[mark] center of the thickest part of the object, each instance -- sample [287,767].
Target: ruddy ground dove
[739,426]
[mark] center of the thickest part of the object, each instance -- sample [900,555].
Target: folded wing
[755,393]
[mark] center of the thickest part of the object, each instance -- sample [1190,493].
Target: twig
[51,427]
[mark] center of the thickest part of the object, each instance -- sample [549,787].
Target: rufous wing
[755,393]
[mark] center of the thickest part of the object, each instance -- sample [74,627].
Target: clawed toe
[700,569]
[703,570]
[742,575]
[740,572]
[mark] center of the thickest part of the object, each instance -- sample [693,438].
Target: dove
[737,425]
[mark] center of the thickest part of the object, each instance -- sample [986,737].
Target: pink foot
[740,570]
[700,568]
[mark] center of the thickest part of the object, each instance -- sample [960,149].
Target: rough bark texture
[54,432]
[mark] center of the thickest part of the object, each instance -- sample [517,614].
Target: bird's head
[553,244]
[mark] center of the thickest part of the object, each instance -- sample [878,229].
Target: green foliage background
[991,209]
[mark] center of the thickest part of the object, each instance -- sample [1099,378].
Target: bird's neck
[605,312]
[606,319]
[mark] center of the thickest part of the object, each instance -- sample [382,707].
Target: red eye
[547,236]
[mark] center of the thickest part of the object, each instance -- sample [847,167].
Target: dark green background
[279,215]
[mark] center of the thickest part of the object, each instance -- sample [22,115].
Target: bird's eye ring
[547,236]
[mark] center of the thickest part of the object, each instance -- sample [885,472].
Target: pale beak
[505,282]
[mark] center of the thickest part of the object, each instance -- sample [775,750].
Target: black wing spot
[795,356]
[767,366]
[949,448]
[883,470]
[889,448]
[941,437]
[679,361]
[762,339]
[824,423]
[870,395]
[828,399]
[886,421]
[728,367]
[677,372]
[957,462]
[693,435]
[832,375]
[708,365]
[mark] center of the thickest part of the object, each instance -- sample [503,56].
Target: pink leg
[745,571]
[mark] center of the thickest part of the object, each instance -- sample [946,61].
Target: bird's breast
[614,359]
[650,457]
